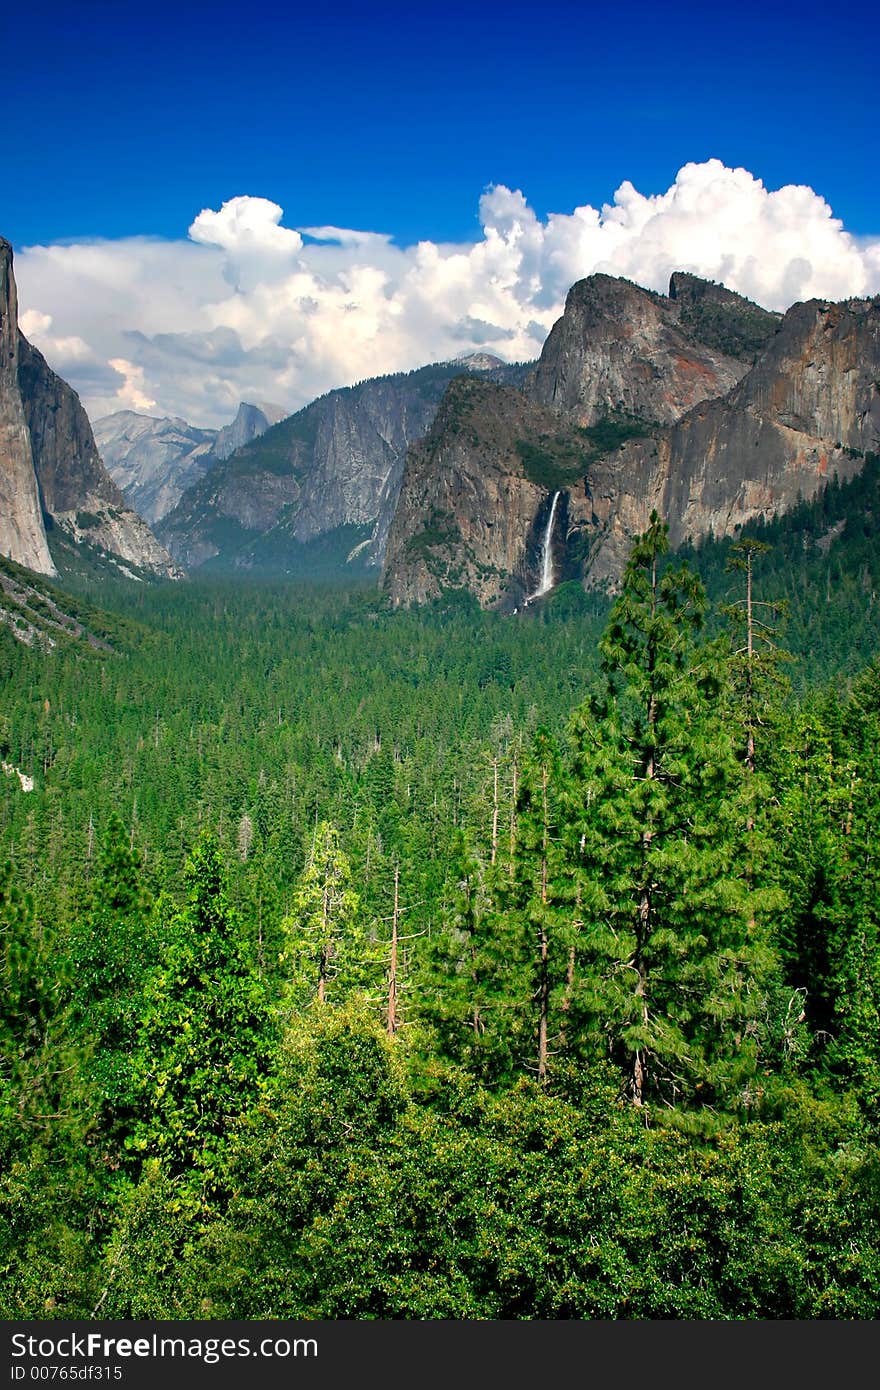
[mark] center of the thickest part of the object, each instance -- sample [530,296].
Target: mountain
[332,470]
[699,404]
[58,499]
[42,616]
[468,515]
[22,532]
[154,460]
[809,410]
[251,421]
[620,348]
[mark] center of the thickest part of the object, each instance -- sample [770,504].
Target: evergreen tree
[536,905]
[111,952]
[206,1036]
[473,990]
[326,952]
[672,979]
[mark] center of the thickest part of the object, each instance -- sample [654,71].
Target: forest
[362,963]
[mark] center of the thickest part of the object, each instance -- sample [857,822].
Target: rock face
[22,532]
[43,418]
[78,494]
[808,409]
[619,349]
[153,461]
[466,518]
[336,464]
[251,421]
[702,406]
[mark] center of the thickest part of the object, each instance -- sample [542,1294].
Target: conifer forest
[370,963]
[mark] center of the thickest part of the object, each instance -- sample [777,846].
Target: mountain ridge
[335,464]
[792,408]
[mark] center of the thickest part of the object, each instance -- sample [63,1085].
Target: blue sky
[123,119]
[186,185]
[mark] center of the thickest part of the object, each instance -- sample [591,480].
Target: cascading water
[546,583]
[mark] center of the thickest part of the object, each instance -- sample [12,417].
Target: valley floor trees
[434,971]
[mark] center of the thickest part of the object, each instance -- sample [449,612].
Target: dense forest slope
[557,933]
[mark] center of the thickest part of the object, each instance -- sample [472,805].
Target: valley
[439,864]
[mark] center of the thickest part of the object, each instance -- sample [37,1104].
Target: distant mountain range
[154,460]
[474,474]
[331,470]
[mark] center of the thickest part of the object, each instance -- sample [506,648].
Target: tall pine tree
[671,976]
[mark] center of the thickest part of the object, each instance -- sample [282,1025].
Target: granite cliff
[621,349]
[53,480]
[808,409]
[468,519]
[22,531]
[331,470]
[155,460]
[699,404]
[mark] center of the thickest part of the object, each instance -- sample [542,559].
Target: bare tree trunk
[644,923]
[750,652]
[324,965]
[392,1022]
[543,970]
[514,794]
[494,808]
[565,1007]
[260,933]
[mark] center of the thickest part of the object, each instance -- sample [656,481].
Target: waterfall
[546,583]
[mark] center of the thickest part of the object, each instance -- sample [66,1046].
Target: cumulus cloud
[248,308]
[131,393]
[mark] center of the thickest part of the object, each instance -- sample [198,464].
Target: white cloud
[32,323]
[249,308]
[131,394]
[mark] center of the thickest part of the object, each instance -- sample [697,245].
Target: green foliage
[205,1034]
[326,947]
[678,881]
[440,530]
[731,325]
[612,431]
[553,461]
[674,984]
[557,461]
[823,566]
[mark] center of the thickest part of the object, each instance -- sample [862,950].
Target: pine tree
[671,977]
[474,991]
[110,950]
[535,906]
[326,951]
[206,1037]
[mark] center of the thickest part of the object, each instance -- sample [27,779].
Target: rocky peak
[808,410]
[620,349]
[49,463]
[640,401]
[479,361]
[476,497]
[252,420]
[153,459]
[720,318]
[22,531]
